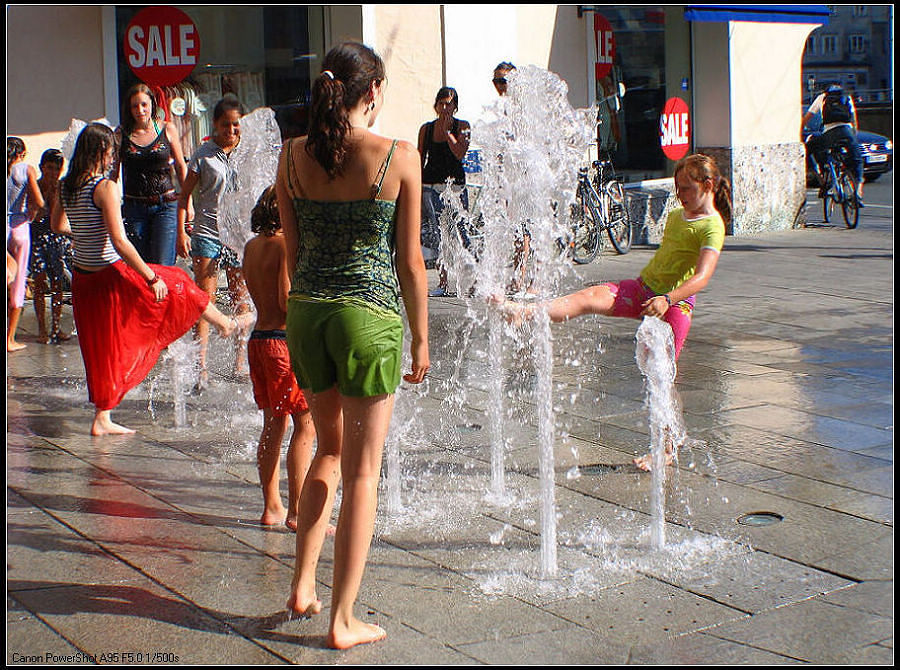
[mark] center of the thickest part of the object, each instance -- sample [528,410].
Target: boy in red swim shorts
[275,388]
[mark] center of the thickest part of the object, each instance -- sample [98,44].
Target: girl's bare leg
[590,300]
[104,425]
[13,313]
[39,289]
[240,305]
[317,499]
[56,307]
[366,422]
[206,275]
[299,457]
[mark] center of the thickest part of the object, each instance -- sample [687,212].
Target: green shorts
[339,344]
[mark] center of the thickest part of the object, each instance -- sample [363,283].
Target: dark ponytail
[347,73]
[699,168]
[91,147]
[15,147]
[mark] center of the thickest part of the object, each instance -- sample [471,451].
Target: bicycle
[600,206]
[839,186]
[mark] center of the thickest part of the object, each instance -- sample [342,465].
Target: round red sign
[675,129]
[162,45]
[606,46]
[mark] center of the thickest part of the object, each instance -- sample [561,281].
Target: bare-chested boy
[275,388]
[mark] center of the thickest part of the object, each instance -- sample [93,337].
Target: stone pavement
[144,548]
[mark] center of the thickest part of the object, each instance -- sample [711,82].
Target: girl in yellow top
[680,268]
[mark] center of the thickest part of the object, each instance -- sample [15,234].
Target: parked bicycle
[839,186]
[600,207]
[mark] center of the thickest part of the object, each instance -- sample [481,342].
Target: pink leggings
[19,246]
[630,294]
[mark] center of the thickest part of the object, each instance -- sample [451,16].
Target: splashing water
[255,164]
[655,355]
[531,154]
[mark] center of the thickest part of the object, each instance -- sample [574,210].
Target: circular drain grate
[760,519]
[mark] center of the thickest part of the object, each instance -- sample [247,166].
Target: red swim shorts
[274,384]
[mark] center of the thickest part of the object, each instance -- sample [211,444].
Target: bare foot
[104,425]
[43,338]
[358,632]
[272,518]
[645,462]
[14,346]
[303,607]
[291,523]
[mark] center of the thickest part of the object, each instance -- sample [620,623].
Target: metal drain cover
[760,519]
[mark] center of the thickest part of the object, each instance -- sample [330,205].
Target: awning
[759,13]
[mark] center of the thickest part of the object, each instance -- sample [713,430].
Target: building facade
[737,73]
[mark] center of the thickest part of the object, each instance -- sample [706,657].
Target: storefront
[263,55]
[720,79]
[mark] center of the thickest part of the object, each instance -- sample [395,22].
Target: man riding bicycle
[839,117]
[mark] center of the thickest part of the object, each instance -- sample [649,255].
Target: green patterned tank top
[346,249]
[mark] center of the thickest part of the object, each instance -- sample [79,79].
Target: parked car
[878,153]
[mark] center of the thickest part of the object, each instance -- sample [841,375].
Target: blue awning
[759,13]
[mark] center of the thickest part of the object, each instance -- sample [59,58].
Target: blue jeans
[432,206]
[152,229]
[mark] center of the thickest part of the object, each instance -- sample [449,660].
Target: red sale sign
[675,129]
[606,46]
[162,45]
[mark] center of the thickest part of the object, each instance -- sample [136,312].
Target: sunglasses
[499,80]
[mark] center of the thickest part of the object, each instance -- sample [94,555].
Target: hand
[160,290]
[420,364]
[183,245]
[656,306]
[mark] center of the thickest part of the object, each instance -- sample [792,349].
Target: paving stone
[812,630]
[702,649]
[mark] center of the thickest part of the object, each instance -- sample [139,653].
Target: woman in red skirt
[126,311]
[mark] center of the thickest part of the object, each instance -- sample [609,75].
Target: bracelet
[152,280]
[668,299]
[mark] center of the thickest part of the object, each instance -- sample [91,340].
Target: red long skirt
[122,329]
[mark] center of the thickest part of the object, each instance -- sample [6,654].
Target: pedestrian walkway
[144,548]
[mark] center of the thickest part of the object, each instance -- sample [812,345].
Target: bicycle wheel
[828,198]
[849,203]
[619,229]
[585,231]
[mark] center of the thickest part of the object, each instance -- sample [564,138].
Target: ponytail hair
[91,147]
[347,73]
[15,147]
[699,168]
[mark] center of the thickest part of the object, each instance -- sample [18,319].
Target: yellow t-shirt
[676,259]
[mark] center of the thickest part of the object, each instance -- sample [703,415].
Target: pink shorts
[630,294]
[274,384]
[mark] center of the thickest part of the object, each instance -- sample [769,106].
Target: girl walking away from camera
[682,266]
[126,311]
[350,204]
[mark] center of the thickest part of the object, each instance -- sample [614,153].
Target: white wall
[54,72]
[766,60]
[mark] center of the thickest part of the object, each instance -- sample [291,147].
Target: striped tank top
[93,247]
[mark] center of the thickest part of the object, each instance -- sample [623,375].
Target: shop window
[631,133]
[261,54]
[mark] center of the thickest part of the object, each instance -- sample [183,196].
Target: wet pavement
[144,549]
